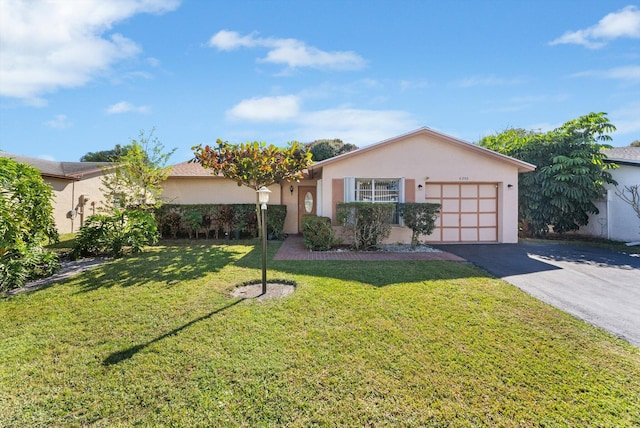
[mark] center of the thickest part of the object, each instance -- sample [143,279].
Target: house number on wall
[463,178]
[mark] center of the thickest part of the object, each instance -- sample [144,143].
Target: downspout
[608,214]
[73,198]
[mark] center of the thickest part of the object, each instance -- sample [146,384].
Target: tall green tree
[106,155]
[254,164]
[136,180]
[325,149]
[26,224]
[570,172]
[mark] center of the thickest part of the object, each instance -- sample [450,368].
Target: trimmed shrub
[276,214]
[420,218]
[318,233]
[115,235]
[368,224]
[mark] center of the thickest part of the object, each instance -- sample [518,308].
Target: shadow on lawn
[125,354]
[376,273]
[170,265]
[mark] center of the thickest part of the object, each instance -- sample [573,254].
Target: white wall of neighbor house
[212,190]
[616,220]
[67,195]
[427,159]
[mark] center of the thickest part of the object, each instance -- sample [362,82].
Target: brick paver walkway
[293,249]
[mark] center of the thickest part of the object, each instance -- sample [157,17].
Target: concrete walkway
[293,249]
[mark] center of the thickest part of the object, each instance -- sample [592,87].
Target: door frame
[302,192]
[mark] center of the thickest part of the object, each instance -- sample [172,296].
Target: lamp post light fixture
[263,199]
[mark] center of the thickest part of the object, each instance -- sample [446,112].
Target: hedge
[218,221]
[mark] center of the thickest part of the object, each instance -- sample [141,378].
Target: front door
[306,203]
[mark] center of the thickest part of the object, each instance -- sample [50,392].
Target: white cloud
[291,52]
[48,45]
[623,23]
[413,84]
[490,80]
[125,107]
[266,109]
[630,74]
[59,121]
[355,126]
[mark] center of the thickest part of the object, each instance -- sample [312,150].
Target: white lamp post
[263,199]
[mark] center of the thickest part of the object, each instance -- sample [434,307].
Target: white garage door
[468,212]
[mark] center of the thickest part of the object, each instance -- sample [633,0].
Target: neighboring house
[76,188]
[616,219]
[477,187]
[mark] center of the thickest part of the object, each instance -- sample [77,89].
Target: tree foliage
[136,180]
[254,164]
[635,143]
[112,155]
[26,224]
[325,149]
[570,172]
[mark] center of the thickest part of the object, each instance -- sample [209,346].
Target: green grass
[155,340]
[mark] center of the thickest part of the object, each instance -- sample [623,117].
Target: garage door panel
[487,220]
[487,205]
[469,191]
[488,234]
[451,220]
[469,206]
[450,205]
[450,191]
[469,235]
[469,212]
[450,235]
[487,190]
[469,220]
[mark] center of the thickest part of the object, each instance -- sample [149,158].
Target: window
[375,190]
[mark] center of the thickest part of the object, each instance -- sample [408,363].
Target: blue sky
[85,75]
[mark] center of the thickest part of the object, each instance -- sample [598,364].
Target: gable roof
[623,155]
[65,170]
[521,165]
[189,169]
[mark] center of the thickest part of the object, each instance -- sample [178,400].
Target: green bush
[114,235]
[20,265]
[420,218]
[318,233]
[26,225]
[368,224]
[276,214]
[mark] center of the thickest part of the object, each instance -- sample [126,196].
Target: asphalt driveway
[599,286]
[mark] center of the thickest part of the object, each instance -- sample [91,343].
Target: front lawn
[155,340]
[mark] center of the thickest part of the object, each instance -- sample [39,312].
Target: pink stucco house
[476,187]
[76,188]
